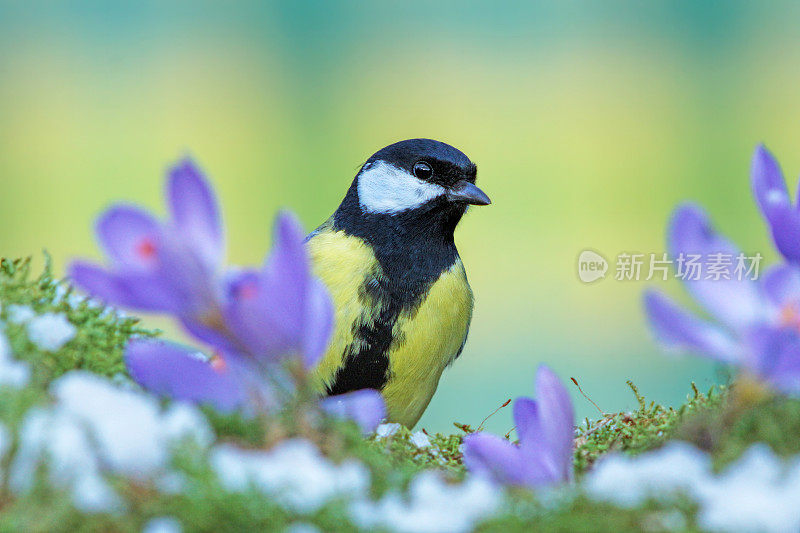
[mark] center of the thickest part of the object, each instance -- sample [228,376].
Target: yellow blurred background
[588,122]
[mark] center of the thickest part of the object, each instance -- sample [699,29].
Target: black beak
[467,192]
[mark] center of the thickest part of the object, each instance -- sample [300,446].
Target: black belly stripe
[366,365]
[366,361]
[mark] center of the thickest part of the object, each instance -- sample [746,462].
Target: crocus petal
[505,463]
[194,210]
[774,355]
[769,188]
[781,285]
[98,282]
[557,419]
[172,371]
[207,331]
[287,271]
[148,292]
[735,302]
[677,328]
[194,284]
[785,376]
[137,290]
[318,322]
[365,407]
[539,456]
[495,458]
[526,420]
[773,200]
[129,236]
[254,323]
[267,312]
[784,222]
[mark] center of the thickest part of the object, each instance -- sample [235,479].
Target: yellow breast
[431,338]
[425,339]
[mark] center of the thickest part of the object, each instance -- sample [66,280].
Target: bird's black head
[406,201]
[412,190]
[417,178]
[431,161]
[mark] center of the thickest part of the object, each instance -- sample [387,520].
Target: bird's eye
[423,170]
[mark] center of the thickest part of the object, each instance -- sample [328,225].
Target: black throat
[413,247]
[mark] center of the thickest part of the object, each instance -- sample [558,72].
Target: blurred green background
[588,122]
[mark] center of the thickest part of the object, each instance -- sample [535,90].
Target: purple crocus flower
[256,320]
[365,407]
[177,267]
[775,204]
[755,323]
[173,266]
[282,309]
[171,370]
[545,427]
[268,316]
[227,385]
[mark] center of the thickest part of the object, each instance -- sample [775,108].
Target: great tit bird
[402,299]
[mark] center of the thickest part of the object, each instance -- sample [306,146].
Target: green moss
[752,414]
[443,453]
[237,427]
[644,429]
[47,509]
[205,505]
[527,513]
[101,334]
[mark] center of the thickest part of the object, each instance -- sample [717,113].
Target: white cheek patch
[384,188]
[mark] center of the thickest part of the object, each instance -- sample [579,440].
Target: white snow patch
[420,439]
[134,437]
[13,373]
[95,428]
[50,331]
[48,434]
[432,506]
[387,430]
[172,482]
[294,472]
[19,314]
[163,524]
[757,493]
[74,300]
[183,421]
[630,481]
